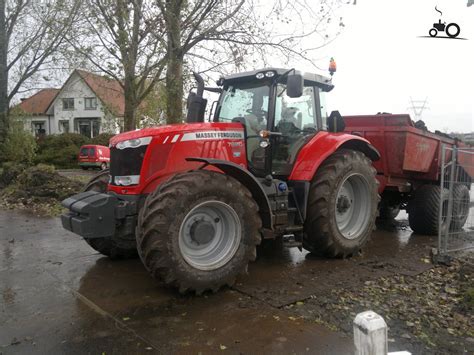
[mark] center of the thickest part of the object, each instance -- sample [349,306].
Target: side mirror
[336,122]
[196,106]
[294,85]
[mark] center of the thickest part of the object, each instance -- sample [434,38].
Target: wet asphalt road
[58,296]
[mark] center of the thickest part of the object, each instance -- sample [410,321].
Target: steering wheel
[257,112]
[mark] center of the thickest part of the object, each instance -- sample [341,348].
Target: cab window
[324,110]
[296,120]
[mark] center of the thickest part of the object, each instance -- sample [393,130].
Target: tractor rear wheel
[342,205]
[120,245]
[198,231]
[423,209]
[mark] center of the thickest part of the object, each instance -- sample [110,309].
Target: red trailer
[409,169]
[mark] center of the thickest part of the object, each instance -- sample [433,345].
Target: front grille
[125,162]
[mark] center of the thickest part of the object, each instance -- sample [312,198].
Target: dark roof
[109,91]
[309,78]
[39,102]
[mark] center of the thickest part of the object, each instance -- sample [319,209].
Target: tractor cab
[281,110]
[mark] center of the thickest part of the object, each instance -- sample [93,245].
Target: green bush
[60,150]
[20,145]
[102,139]
[10,172]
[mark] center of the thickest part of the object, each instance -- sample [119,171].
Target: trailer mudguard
[248,180]
[321,146]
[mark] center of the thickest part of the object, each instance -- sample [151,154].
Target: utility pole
[418,106]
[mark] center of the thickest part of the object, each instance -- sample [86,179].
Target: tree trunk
[3,75]
[174,88]
[174,69]
[129,119]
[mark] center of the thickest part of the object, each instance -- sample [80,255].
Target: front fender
[321,146]
[248,180]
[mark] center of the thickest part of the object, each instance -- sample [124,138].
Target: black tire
[461,199]
[433,32]
[103,166]
[166,209]
[389,212]
[455,34]
[322,234]
[423,209]
[121,245]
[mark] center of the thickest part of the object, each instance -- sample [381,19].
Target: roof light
[260,76]
[332,66]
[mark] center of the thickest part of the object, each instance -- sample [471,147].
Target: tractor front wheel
[198,231]
[342,205]
[120,245]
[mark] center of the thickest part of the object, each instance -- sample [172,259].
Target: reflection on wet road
[59,296]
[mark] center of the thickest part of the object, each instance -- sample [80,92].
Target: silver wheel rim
[209,235]
[353,206]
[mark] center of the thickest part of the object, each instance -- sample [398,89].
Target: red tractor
[194,200]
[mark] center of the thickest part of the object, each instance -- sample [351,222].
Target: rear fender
[248,180]
[324,144]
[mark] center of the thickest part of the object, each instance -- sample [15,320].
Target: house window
[90,103]
[89,127]
[68,104]
[38,128]
[63,126]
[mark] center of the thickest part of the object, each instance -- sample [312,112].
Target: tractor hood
[174,128]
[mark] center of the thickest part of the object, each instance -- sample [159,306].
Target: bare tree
[118,37]
[31,34]
[142,42]
[240,33]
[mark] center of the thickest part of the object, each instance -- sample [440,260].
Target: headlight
[127,180]
[133,143]
[269,74]
[260,76]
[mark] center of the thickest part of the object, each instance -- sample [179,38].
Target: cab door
[296,121]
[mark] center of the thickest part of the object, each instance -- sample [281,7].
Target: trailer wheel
[120,245]
[198,231]
[461,199]
[342,205]
[423,209]
[388,212]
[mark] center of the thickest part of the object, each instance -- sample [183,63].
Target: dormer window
[68,104]
[90,103]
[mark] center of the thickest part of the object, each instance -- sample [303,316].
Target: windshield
[244,101]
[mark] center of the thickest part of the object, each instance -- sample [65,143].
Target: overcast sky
[382,61]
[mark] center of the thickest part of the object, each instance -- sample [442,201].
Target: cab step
[289,241]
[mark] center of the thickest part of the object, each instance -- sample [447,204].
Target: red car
[94,156]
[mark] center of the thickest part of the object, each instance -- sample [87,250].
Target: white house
[87,103]
[33,111]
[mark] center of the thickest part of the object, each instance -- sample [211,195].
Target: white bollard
[370,334]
